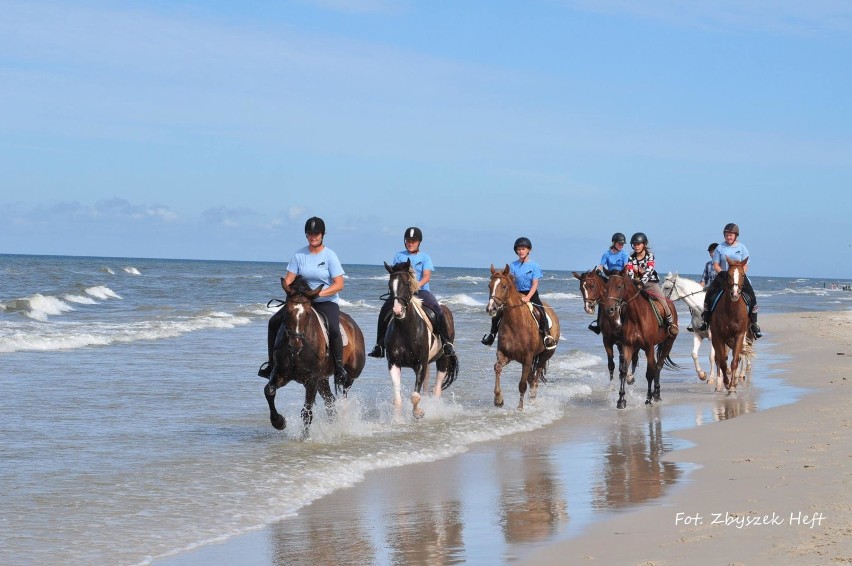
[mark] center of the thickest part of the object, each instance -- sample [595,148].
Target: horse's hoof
[631,380]
[702,376]
[647,401]
[419,414]
[498,402]
[621,404]
[278,422]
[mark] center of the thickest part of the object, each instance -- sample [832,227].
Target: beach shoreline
[761,487]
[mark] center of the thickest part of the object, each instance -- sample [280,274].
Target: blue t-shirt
[737,252]
[525,273]
[317,269]
[615,260]
[419,261]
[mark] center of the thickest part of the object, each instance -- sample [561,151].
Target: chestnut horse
[638,326]
[729,322]
[411,340]
[593,289]
[518,337]
[302,353]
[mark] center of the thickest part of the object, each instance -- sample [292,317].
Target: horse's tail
[541,367]
[668,361]
[452,371]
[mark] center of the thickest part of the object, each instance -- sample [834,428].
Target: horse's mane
[413,283]
[300,286]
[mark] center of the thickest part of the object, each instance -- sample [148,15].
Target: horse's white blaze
[300,312]
[398,308]
[588,305]
[492,306]
[735,286]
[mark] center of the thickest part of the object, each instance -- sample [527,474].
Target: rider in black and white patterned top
[640,267]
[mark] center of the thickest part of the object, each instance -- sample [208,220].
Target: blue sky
[212,130]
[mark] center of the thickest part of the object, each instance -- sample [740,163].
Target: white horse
[678,288]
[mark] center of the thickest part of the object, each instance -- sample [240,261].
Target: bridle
[404,284]
[679,295]
[619,302]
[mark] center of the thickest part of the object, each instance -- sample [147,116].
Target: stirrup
[488,339]
[549,342]
[265,369]
[378,351]
[755,329]
[673,330]
[448,349]
[689,328]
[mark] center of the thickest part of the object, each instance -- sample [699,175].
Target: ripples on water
[134,425]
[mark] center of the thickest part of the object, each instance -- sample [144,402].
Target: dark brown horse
[518,337]
[302,352]
[729,323]
[411,340]
[593,289]
[638,327]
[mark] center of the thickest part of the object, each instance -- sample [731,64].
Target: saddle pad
[533,308]
[324,325]
[418,308]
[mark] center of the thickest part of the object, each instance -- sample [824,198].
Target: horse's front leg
[277,420]
[627,355]
[610,358]
[736,354]
[420,373]
[307,408]
[696,343]
[327,396]
[498,370]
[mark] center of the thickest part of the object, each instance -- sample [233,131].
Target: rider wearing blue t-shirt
[731,249]
[527,274]
[613,259]
[423,268]
[318,265]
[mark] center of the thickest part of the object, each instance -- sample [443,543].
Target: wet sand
[765,486]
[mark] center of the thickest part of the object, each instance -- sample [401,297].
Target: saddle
[714,300]
[656,306]
[538,312]
[428,315]
[323,324]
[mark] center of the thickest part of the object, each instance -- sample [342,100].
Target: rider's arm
[533,288]
[427,275]
[335,287]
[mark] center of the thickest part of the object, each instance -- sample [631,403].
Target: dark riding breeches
[428,299]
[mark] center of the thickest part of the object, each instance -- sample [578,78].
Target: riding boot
[340,375]
[444,334]
[705,320]
[265,370]
[671,327]
[755,329]
[378,350]
[488,339]
[595,327]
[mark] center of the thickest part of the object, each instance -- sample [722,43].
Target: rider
[734,250]
[708,275]
[614,258]
[423,268]
[318,265]
[640,267]
[526,274]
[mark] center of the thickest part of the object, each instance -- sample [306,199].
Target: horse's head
[499,290]
[402,285]
[298,311]
[620,289]
[592,287]
[735,278]
[669,287]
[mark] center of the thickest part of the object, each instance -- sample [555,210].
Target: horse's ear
[745,261]
[408,263]
[575,274]
[313,293]
[493,271]
[506,270]
[389,268]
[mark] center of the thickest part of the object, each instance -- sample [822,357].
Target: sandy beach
[764,487]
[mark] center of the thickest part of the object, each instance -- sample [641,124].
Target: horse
[638,326]
[729,323]
[593,289]
[677,288]
[302,353]
[411,340]
[518,337]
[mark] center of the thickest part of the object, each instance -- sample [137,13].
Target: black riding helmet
[315,225]
[731,227]
[639,238]
[413,233]
[618,237]
[712,247]
[522,242]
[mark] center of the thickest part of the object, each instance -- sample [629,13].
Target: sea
[134,426]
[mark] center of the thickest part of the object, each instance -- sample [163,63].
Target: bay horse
[639,327]
[729,322]
[302,353]
[518,337]
[411,340]
[593,290]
